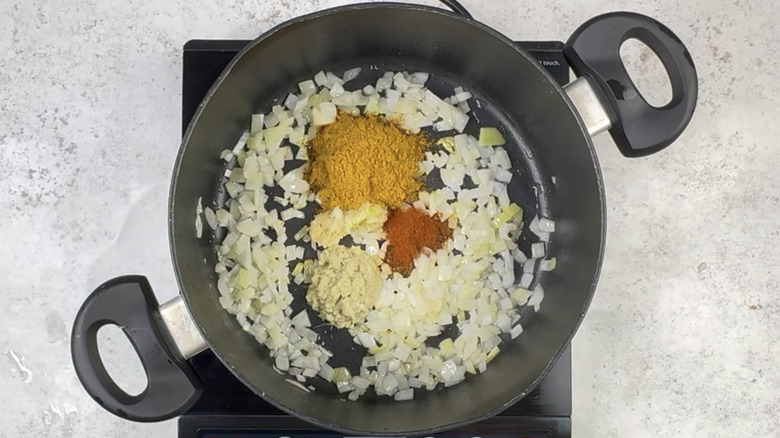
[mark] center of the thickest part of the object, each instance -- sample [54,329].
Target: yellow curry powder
[365,158]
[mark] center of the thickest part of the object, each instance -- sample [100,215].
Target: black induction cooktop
[228,409]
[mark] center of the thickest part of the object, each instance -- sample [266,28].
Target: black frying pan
[548,136]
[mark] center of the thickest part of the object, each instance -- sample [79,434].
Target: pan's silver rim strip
[589,107]
[182,328]
[421,8]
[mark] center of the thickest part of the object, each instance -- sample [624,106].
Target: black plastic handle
[130,303]
[457,8]
[638,128]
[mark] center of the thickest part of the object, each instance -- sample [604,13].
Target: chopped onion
[367,340]
[226,155]
[491,137]
[503,175]
[337,91]
[419,78]
[326,372]
[324,114]
[546,225]
[297,385]
[301,319]
[535,227]
[307,87]
[351,74]
[256,124]
[198,227]
[536,297]
[404,395]
[320,79]
[529,266]
[290,101]
[516,331]
[282,363]
[198,220]
[548,265]
[274,136]
[294,183]
[211,217]
[537,250]
[525,280]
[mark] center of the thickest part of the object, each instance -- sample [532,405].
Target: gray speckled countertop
[681,338]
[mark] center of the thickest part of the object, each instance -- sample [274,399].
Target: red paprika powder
[408,231]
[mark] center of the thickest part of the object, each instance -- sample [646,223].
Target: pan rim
[382,5]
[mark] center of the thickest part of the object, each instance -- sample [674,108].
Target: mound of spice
[364,158]
[345,285]
[408,231]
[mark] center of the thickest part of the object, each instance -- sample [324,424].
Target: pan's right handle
[173,387]
[637,127]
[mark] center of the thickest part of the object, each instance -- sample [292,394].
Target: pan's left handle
[173,387]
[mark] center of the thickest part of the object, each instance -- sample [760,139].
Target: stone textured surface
[682,337]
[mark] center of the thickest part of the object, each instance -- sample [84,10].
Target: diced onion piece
[492,354]
[337,90]
[419,78]
[367,340]
[211,217]
[537,250]
[332,80]
[548,265]
[291,101]
[297,385]
[344,387]
[198,227]
[293,182]
[282,363]
[320,78]
[404,395]
[546,225]
[535,227]
[307,87]
[507,214]
[459,119]
[240,143]
[274,136]
[326,372]
[529,266]
[503,175]
[341,374]
[536,297]
[324,114]
[351,74]
[525,280]
[491,137]
[516,331]
[301,319]
[256,125]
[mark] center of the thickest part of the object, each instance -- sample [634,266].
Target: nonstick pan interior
[528,188]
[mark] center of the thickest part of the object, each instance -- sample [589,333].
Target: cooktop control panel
[308,434]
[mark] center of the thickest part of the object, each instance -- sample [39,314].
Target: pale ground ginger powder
[345,285]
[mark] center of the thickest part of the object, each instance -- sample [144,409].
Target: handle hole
[647,72]
[121,360]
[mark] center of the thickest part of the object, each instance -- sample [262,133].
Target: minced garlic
[330,226]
